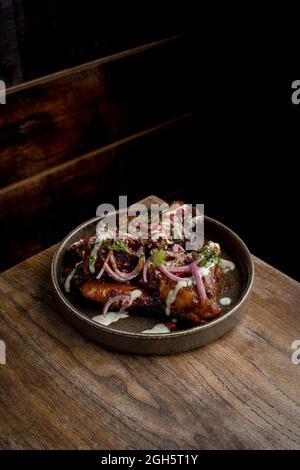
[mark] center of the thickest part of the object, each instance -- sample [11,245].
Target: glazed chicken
[159,274]
[137,297]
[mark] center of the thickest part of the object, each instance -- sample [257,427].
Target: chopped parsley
[158,257]
[91,245]
[119,245]
[77,273]
[207,256]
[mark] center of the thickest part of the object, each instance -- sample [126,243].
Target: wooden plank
[106,59]
[60,391]
[50,37]
[42,189]
[55,120]
[37,211]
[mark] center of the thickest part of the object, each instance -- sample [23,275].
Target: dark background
[237,153]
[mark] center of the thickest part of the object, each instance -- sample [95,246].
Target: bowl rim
[146,336]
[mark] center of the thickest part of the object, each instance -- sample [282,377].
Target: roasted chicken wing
[157,273]
[102,292]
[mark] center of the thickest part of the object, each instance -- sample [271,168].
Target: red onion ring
[117,298]
[127,276]
[145,270]
[199,281]
[179,269]
[99,275]
[139,251]
[178,248]
[112,274]
[125,305]
[172,276]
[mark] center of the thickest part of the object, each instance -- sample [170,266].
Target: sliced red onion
[99,275]
[112,274]
[173,254]
[139,251]
[179,269]
[117,298]
[114,265]
[132,274]
[199,281]
[145,270]
[172,276]
[178,248]
[126,304]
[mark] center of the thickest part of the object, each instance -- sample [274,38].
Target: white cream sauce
[213,246]
[93,256]
[227,265]
[110,317]
[69,278]
[135,294]
[205,270]
[225,301]
[68,281]
[159,328]
[173,294]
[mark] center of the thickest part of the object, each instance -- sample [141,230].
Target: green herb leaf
[205,256]
[158,257]
[119,245]
[77,274]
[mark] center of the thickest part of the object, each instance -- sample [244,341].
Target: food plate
[127,335]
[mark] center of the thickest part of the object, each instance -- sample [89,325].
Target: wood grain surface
[39,38]
[65,137]
[60,391]
[48,205]
[57,118]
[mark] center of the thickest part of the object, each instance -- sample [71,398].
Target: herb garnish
[77,273]
[91,245]
[119,245]
[158,257]
[206,256]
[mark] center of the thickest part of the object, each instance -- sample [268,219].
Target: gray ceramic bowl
[126,334]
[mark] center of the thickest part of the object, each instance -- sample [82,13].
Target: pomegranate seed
[170,325]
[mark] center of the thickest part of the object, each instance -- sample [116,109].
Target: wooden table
[60,391]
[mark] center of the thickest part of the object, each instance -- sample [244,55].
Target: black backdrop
[246,159]
[250,133]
